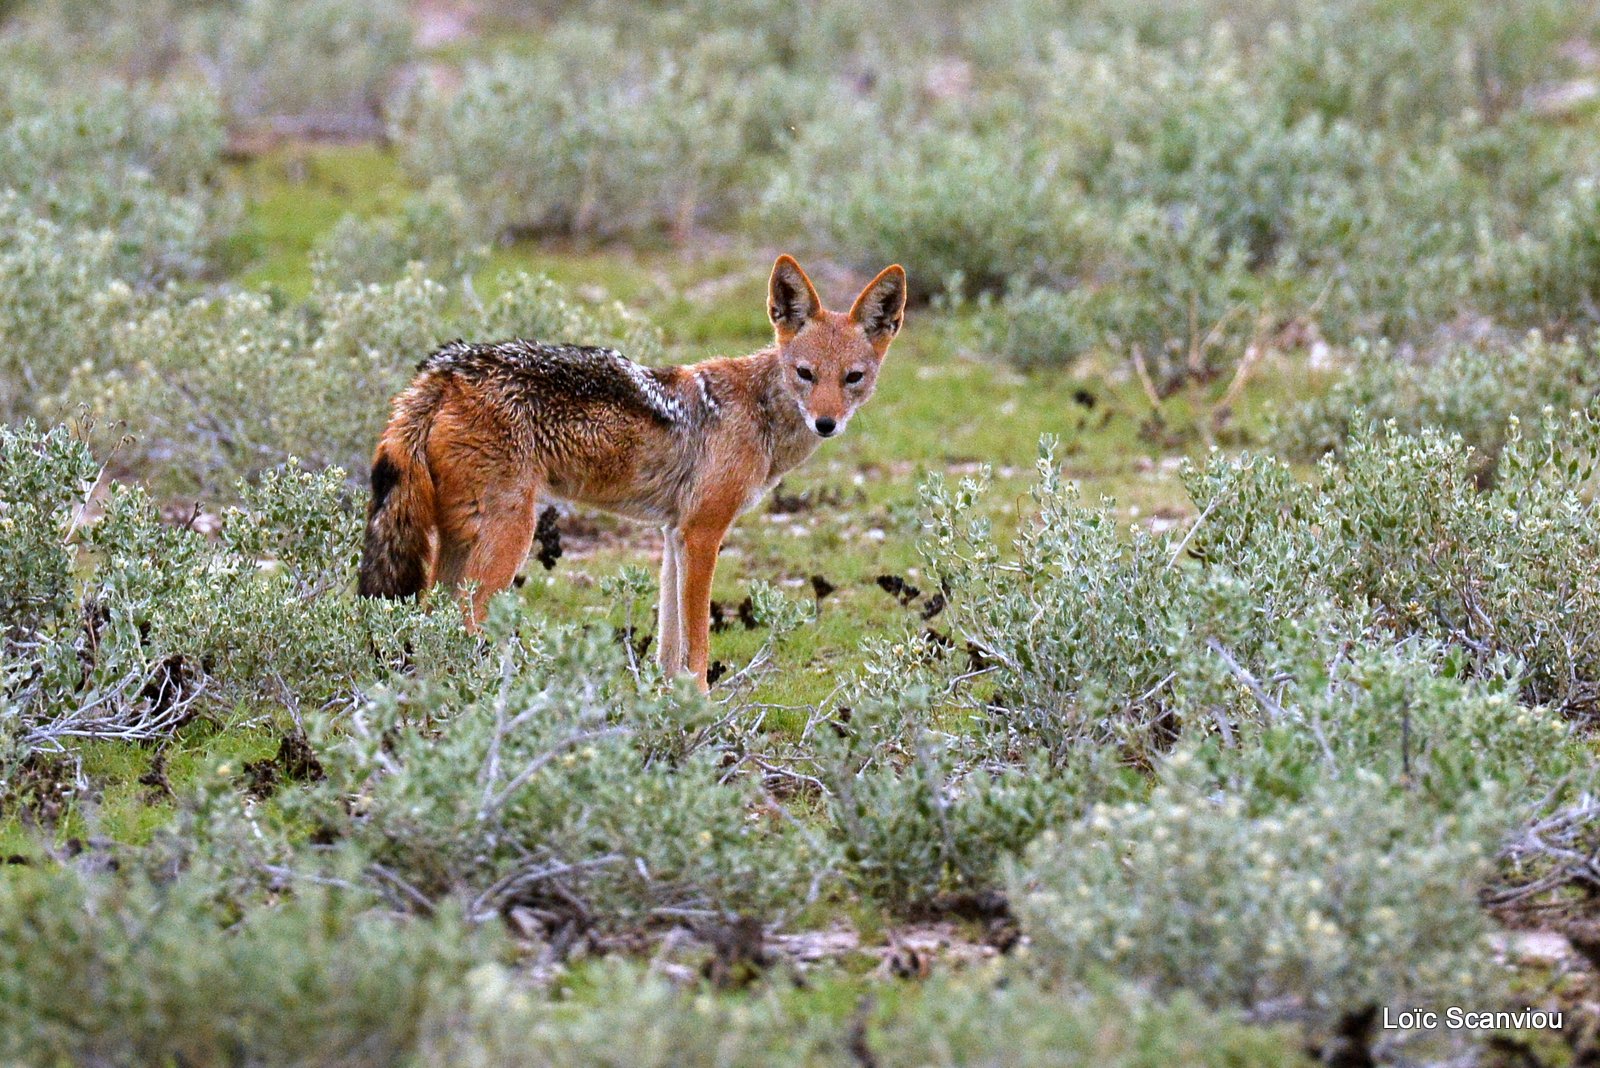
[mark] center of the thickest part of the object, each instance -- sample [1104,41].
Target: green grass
[296,194]
[118,806]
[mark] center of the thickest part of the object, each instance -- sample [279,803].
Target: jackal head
[830,359]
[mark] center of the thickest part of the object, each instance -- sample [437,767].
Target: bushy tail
[399,547]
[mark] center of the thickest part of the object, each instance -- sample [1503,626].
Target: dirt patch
[42,787]
[722,617]
[781,503]
[442,22]
[295,761]
[158,788]
[909,951]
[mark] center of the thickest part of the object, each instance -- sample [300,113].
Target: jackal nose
[825,426]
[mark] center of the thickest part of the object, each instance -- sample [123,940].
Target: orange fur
[484,431]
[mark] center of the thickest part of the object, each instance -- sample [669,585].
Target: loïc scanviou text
[1456,1018]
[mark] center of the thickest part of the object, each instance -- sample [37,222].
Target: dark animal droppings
[549,538]
[841,722]
[898,588]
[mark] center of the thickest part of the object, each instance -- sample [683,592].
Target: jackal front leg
[698,566]
[671,651]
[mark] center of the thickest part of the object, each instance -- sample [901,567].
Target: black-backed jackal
[485,430]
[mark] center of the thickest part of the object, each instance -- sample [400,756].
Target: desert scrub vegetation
[140,163]
[124,971]
[433,228]
[1352,902]
[576,811]
[1471,389]
[1201,775]
[326,65]
[1088,632]
[587,138]
[274,66]
[163,625]
[119,971]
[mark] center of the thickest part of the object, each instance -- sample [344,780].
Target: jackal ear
[881,307]
[791,298]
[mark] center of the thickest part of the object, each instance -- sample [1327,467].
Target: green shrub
[57,41]
[333,62]
[1548,275]
[1469,389]
[1390,252]
[433,228]
[1414,65]
[937,818]
[533,306]
[542,790]
[1187,130]
[140,163]
[1092,635]
[1343,902]
[45,479]
[1183,301]
[968,211]
[585,139]
[164,624]
[1039,328]
[1400,528]
[621,1017]
[219,388]
[60,300]
[1408,716]
[1410,66]
[110,970]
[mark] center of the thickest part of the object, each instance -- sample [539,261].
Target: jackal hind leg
[507,517]
[460,521]
[485,531]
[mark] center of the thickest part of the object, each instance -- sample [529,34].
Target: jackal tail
[401,521]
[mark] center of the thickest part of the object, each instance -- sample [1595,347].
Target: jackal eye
[805,374]
[853,377]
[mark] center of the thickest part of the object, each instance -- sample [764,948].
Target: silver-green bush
[1469,389]
[585,139]
[433,228]
[625,1018]
[141,163]
[218,388]
[1093,634]
[541,790]
[162,624]
[1348,900]
[118,971]
[330,63]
